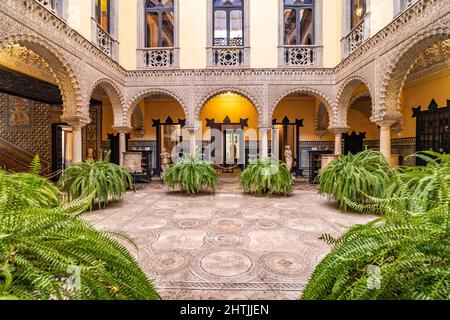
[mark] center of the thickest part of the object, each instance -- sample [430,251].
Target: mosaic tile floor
[229,245]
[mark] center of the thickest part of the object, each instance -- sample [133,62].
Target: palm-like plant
[355,177]
[106,180]
[54,254]
[35,191]
[421,184]
[403,255]
[191,175]
[267,176]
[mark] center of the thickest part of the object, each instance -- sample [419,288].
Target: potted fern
[106,180]
[51,253]
[355,177]
[191,175]
[35,191]
[267,176]
[403,255]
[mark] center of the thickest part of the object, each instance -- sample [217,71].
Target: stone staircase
[16,159]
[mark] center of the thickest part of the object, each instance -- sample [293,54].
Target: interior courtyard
[299,81]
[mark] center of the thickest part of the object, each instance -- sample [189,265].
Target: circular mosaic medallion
[306,224]
[267,224]
[189,224]
[149,223]
[228,224]
[226,263]
[227,205]
[225,212]
[162,212]
[227,239]
[284,264]
[169,261]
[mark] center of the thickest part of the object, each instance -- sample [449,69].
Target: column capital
[338,130]
[266,128]
[123,129]
[385,121]
[76,122]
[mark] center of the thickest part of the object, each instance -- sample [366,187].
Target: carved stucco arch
[324,99]
[403,60]
[239,91]
[344,98]
[65,77]
[134,101]
[115,96]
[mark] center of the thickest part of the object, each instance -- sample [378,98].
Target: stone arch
[214,93]
[403,61]
[65,77]
[324,99]
[133,102]
[344,97]
[115,96]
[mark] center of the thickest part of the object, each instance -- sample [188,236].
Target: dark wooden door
[354,143]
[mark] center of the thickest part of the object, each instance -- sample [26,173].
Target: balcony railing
[158,57]
[50,5]
[104,41]
[228,56]
[357,36]
[301,56]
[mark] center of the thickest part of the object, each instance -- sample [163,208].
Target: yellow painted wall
[107,120]
[232,105]
[128,33]
[332,31]
[193,34]
[301,108]
[359,122]
[264,33]
[79,13]
[419,93]
[193,29]
[381,14]
[151,109]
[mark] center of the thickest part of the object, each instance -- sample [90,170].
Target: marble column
[385,141]
[264,142]
[77,124]
[192,141]
[77,144]
[338,139]
[122,141]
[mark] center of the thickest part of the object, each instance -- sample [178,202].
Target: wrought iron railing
[301,56]
[228,56]
[104,41]
[158,57]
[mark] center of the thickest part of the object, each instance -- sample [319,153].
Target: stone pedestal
[328,158]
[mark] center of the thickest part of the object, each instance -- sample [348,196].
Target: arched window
[358,11]
[228,19]
[103,14]
[159,23]
[298,22]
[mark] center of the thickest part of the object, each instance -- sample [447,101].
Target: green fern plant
[409,250]
[54,254]
[191,175]
[106,180]
[267,176]
[356,176]
[421,184]
[35,191]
